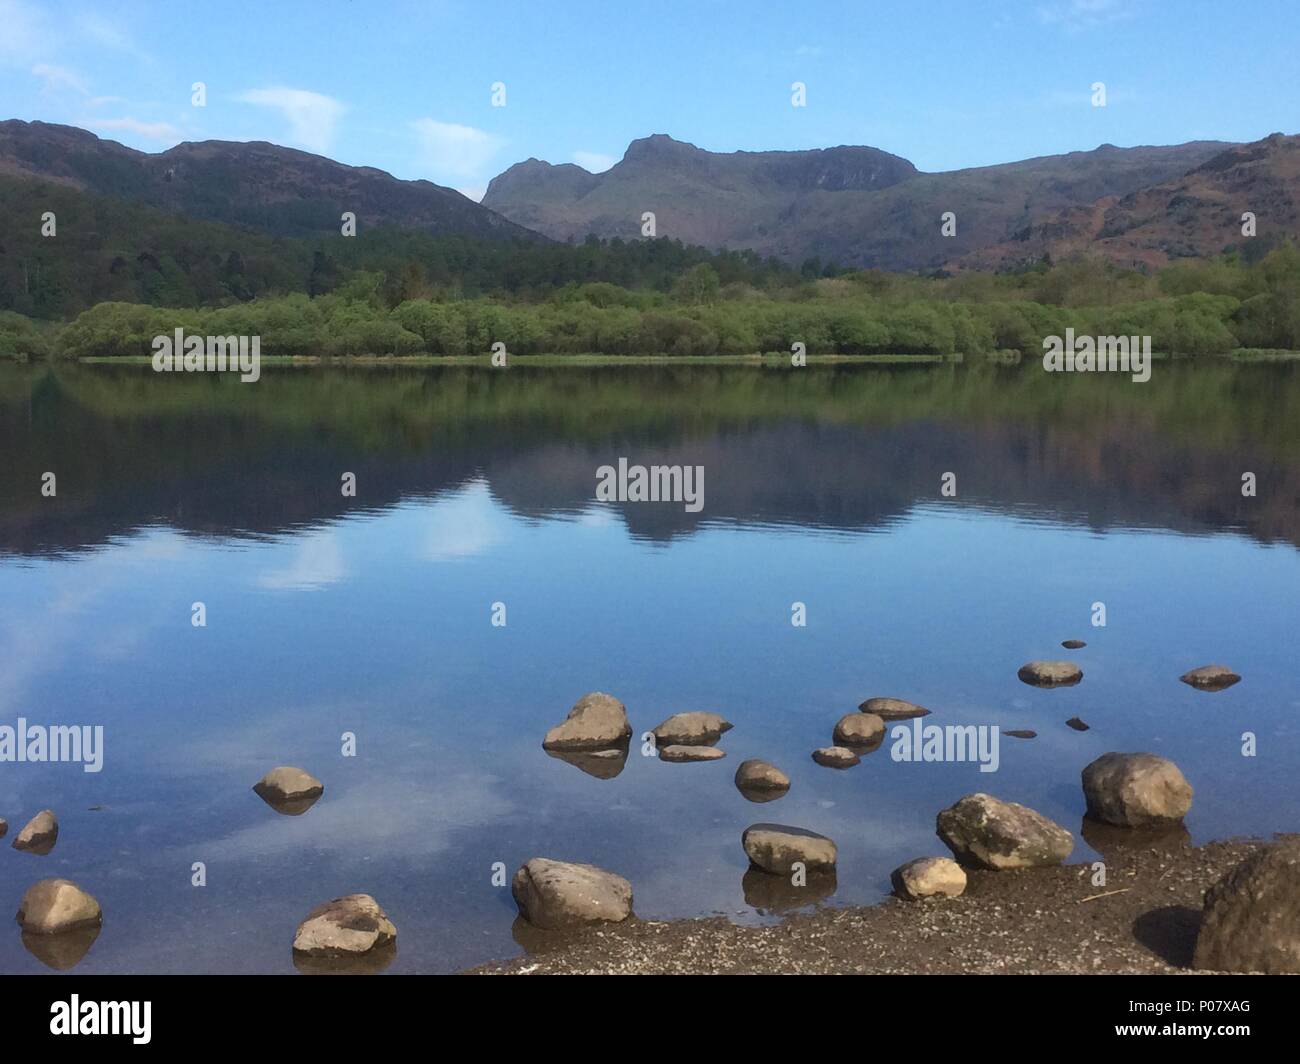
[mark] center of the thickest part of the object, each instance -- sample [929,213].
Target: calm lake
[372,615]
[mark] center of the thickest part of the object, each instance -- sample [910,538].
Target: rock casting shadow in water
[533,939]
[1107,839]
[372,962]
[63,950]
[603,764]
[290,806]
[774,894]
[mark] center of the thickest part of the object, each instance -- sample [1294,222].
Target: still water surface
[372,615]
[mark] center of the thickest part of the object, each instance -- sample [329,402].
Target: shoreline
[773,359]
[1144,920]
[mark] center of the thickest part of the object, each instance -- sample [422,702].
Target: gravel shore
[1143,920]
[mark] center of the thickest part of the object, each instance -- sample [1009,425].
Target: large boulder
[928,877]
[1050,673]
[859,729]
[1210,678]
[558,894]
[597,721]
[39,834]
[345,927]
[990,833]
[1251,920]
[776,848]
[1136,790]
[52,906]
[691,729]
[893,708]
[761,781]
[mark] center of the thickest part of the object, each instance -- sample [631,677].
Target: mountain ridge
[852,204]
[278,190]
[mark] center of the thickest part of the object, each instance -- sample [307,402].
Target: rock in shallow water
[776,847]
[39,834]
[1251,920]
[1210,678]
[1050,673]
[988,832]
[53,906]
[1074,644]
[1077,724]
[684,754]
[927,877]
[597,721]
[1136,790]
[761,781]
[858,729]
[289,790]
[691,729]
[345,927]
[893,708]
[558,894]
[4,827]
[836,757]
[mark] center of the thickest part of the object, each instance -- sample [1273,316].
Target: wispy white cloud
[594,161]
[60,79]
[148,130]
[452,152]
[312,116]
[1076,15]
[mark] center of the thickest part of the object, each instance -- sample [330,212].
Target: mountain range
[850,205]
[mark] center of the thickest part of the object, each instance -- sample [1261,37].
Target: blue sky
[406,86]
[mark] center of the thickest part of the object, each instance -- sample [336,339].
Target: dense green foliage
[117,275]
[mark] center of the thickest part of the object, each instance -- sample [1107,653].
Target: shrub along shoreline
[1207,307]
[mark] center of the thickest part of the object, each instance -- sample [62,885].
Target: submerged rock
[597,721]
[1077,724]
[836,757]
[776,848]
[1022,733]
[1210,678]
[927,877]
[53,906]
[39,834]
[988,832]
[602,764]
[761,781]
[1050,673]
[1135,790]
[691,729]
[858,729]
[893,708]
[1074,644]
[682,754]
[345,927]
[1251,919]
[289,790]
[557,894]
